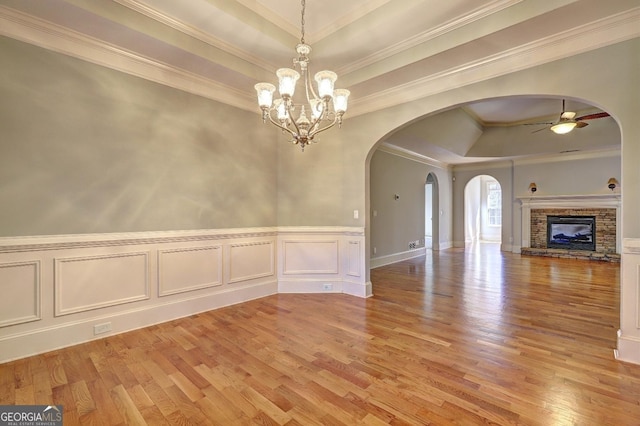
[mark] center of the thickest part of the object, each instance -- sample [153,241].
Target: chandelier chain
[302,21]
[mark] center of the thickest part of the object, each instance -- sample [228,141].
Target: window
[494,204]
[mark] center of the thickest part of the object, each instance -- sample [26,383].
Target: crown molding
[491,164]
[41,33]
[410,155]
[428,35]
[194,32]
[59,39]
[538,159]
[604,32]
[568,156]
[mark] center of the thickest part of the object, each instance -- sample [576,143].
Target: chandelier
[325,107]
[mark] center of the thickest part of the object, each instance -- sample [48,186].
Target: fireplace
[606,230]
[571,232]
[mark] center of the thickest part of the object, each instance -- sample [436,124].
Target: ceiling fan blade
[593,116]
[539,130]
[581,124]
[548,123]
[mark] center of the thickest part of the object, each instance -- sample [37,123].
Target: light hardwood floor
[456,337]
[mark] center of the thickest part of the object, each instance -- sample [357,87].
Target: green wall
[85,149]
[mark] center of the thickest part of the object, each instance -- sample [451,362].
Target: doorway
[431,215]
[483,210]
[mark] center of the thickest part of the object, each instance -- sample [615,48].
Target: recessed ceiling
[387,52]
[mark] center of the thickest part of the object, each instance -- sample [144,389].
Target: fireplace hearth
[571,232]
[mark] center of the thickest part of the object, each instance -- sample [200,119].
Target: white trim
[607,31]
[627,348]
[149,303]
[196,33]
[59,282]
[38,32]
[59,242]
[162,260]
[36,315]
[45,339]
[377,262]
[413,156]
[427,36]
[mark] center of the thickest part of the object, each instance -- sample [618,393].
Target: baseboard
[298,286]
[397,257]
[43,340]
[358,289]
[628,349]
[445,245]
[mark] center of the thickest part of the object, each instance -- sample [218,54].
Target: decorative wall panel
[92,282]
[187,269]
[20,290]
[354,258]
[251,260]
[310,257]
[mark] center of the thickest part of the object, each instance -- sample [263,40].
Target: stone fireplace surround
[605,207]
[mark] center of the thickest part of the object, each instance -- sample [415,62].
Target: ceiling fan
[568,121]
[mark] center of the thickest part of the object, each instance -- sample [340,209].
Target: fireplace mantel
[571,201]
[529,202]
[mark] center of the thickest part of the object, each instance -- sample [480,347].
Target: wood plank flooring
[454,338]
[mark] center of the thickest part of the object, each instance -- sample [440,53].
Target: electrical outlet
[327,286]
[101,328]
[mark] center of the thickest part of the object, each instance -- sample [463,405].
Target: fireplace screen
[571,232]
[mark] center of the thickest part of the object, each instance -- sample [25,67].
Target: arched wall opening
[554,78]
[482,210]
[432,215]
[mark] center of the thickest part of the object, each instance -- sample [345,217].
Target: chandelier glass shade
[321,109]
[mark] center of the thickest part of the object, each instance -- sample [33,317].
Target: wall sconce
[532,187]
[612,183]
[396,197]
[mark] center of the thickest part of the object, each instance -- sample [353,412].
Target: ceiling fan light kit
[563,127]
[326,106]
[568,121]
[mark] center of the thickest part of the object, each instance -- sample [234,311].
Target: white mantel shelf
[568,201]
[529,202]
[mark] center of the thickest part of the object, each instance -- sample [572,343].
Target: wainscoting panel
[91,282]
[310,257]
[628,347]
[354,254]
[322,259]
[70,289]
[20,290]
[187,269]
[249,261]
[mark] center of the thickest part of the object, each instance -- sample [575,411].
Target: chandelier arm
[288,107]
[336,119]
[277,124]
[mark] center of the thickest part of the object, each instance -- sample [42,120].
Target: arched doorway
[431,215]
[483,210]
